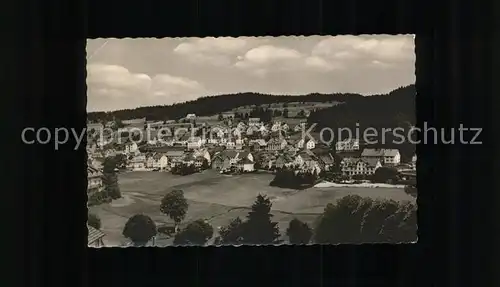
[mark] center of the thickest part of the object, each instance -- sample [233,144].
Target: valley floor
[218,199]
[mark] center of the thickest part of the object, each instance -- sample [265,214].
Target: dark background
[44,72]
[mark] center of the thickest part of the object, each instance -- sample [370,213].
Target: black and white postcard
[251,141]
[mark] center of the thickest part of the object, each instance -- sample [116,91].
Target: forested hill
[400,102]
[395,109]
[391,111]
[212,105]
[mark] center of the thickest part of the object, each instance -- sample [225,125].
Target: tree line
[352,219]
[390,111]
[289,178]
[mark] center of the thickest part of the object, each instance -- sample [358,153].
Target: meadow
[220,198]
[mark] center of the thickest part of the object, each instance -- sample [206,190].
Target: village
[254,156]
[230,145]
[201,156]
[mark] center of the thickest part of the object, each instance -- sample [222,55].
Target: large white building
[386,156]
[356,166]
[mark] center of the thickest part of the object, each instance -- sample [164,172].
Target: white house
[246,165]
[308,144]
[131,147]
[191,116]
[138,162]
[386,156]
[164,162]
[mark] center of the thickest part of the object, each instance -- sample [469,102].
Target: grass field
[218,199]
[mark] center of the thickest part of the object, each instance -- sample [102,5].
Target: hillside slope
[213,105]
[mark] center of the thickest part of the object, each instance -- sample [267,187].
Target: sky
[129,73]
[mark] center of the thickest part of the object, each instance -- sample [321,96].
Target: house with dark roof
[276,144]
[94,237]
[230,157]
[175,155]
[137,162]
[325,158]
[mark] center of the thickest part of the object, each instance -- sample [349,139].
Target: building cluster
[229,145]
[355,161]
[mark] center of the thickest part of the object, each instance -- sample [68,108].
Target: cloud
[375,48]
[116,78]
[214,51]
[176,88]
[321,64]
[107,82]
[146,71]
[266,58]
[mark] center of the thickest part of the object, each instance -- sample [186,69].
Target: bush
[299,232]
[98,198]
[356,220]
[139,229]
[385,175]
[196,233]
[341,222]
[232,234]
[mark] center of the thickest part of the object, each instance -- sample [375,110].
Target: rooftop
[94,234]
